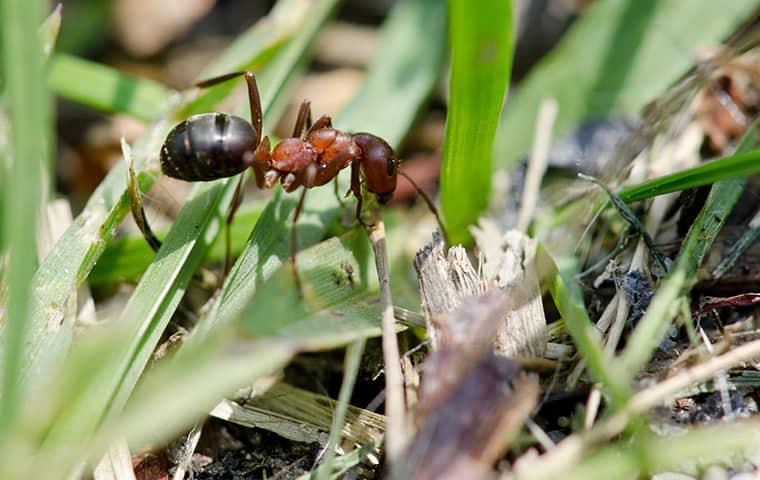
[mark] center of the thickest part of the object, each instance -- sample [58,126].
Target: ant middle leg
[324,121]
[303,121]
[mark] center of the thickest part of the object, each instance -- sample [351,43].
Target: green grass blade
[268,246]
[351,365]
[126,259]
[161,288]
[700,237]
[49,30]
[481,59]
[106,89]
[619,56]
[644,456]
[28,103]
[157,296]
[74,255]
[568,298]
[341,280]
[735,166]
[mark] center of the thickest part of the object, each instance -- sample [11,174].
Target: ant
[216,145]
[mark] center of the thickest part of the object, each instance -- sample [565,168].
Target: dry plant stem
[547,114]
[604,322]
[570,450]
[395,409]
[189,444]
[657,212]
[116,464]
[592,407]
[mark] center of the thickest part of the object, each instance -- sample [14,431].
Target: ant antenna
[429,203]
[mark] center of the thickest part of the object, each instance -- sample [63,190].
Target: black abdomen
[207,147]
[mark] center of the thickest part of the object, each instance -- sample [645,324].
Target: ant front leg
[294,242]
[356,189]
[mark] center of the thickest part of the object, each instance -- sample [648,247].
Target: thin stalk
[395,408]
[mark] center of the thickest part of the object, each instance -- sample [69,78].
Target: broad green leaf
[481,58]
[619,56]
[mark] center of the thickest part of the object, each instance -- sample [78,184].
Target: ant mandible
[211,146]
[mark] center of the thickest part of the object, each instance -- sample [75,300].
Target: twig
[395,409]
[116,464]
[631,218]
[547,114]
[189,444]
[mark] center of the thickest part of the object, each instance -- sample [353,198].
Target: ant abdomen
[208,146]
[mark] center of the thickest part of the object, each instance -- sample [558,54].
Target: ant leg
[237,199]
[356,188]
[294,242]
[138,212]
[336,191]
[253,95]
[257,116]
[429,203]
[322,122]
[303,121]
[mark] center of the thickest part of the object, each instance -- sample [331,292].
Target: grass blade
[106,89]
[700,237]
[161,288]
[619,56]
[568,298]
[126,259]
[74,255]
[738,165]
[481,51]
[28,103]
[268,246]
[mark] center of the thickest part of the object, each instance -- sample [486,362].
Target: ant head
[379,165]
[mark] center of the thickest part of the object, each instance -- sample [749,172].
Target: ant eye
[391,167]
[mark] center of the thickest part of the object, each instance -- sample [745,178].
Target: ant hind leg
[138,212]
[237,199]
[253,95]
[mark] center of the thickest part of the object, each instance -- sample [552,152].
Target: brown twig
[395,408]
